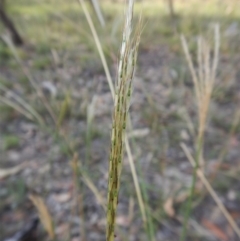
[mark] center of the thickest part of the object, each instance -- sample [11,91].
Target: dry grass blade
[211,191]
[135,180]
[44,215]
[99,47]
[98,11]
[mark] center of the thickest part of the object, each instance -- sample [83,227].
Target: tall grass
[126,68]
[203,81]
[123,91]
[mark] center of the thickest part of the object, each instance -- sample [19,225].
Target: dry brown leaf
[44,215]
[213,228]
[168,207]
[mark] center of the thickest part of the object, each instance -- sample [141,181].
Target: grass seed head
[123,90]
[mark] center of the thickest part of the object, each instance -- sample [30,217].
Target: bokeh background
[56,113]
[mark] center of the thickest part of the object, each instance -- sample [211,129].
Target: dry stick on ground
[211,191]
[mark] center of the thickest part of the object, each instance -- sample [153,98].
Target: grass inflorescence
[123,90]
[203,81]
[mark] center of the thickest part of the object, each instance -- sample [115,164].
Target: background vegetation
[56,117]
